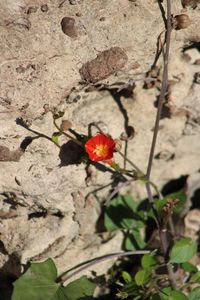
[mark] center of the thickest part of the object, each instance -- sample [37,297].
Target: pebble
[68,27]
[32,9]
[44,8]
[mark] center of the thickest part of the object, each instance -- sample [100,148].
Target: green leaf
[169,294]
[122,213]
[142,277]
[55,137]
[160,203]
[165,293]
[137,298]
[176,295]
[38,283]
[142,180]
[195,294]
[126,276]
[183,250]
[46,268]
[155,297]
[195,277]
[134,241]
[81,288]
[188,267]
[132,289]
[149,261]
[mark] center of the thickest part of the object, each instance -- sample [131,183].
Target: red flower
[100,147]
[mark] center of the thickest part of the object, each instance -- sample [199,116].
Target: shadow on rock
[8,274]
[70,154]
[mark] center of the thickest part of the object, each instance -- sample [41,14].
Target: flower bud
[181,21]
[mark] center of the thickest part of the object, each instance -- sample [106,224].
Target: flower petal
[100,147]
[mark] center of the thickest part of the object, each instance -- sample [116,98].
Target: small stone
[32,9]
[135,65]
[197,78]
[102,19]
[186,57]
[192,3]
[165,155]
[68,26]
[197,62]
[78,14]
[20,69]
[72,2]
[22,22]
[46,108]
[134,2]
[44,8]
[77,98]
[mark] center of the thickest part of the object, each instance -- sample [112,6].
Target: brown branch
[162,231]
[156,127]
[19,121]
[163,89]
[87,264]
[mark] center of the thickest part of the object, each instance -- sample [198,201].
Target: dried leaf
[106,63]
[65,125]
[7,155]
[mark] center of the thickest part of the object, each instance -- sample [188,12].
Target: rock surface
[43,207]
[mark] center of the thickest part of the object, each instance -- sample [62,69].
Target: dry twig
[162,231]
[87,264]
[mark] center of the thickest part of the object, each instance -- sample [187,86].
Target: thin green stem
[131,163]
[171,226]
[141,174]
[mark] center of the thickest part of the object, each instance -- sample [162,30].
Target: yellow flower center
[101,150]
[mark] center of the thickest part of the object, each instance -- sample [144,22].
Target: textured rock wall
[43,208]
